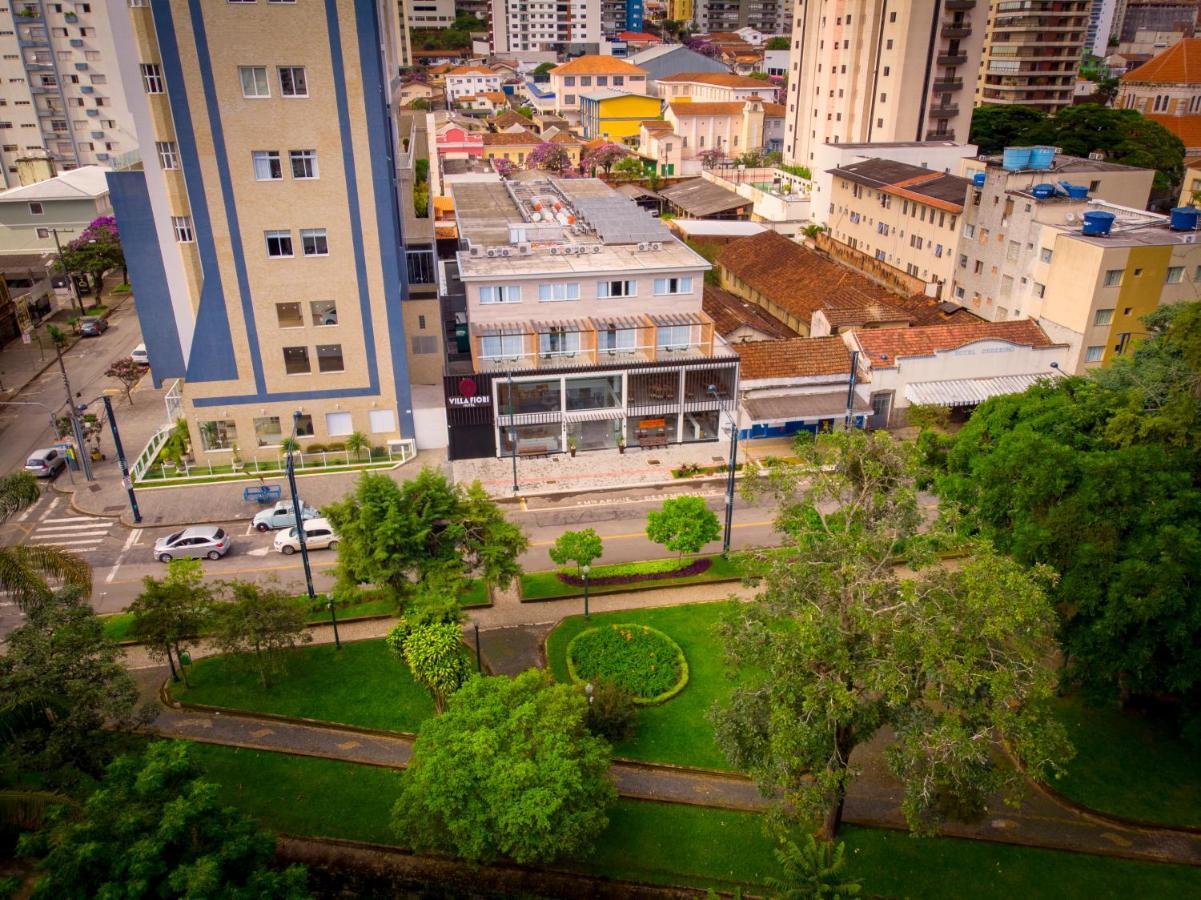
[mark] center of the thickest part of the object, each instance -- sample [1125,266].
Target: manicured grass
[548,585]
[678,731]
[643,661]
[1130,765]
[363,684]
[667,843]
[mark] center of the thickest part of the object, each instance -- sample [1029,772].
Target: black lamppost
[120,449]
[725,541]
[298,513]
[70,277]
[512,432]
[479,664]
[584,570]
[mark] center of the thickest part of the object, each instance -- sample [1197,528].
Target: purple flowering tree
[503,167]
[710,158]
[605,157]
[95,253]
[550,157]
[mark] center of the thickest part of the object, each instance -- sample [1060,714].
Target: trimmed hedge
[632,573]
[638,658]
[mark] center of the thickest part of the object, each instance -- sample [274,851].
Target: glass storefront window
[642,430]
[701,426]
[218,434]
[595,435]
[595,392]
[653,388]
[529,396]
[546,438]
[267,431]
[697,381]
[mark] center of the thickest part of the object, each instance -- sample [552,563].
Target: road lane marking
[642,534]
[135,535]
[47,540]
[44,529]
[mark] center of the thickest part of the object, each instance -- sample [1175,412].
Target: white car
[318,535]
[139,355]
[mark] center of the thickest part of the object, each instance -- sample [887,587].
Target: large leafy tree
[262,623]
[549,157]
[1098,478]
[995,127]
[154,828]
[605,157]
[96,252]
[433,651]
[426,534]
[684,524]
[62,677]
[508,771]
[26,570]
[171,612]
[838,650]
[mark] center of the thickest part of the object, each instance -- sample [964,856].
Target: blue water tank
[1097,223]
[1075,191]
[1184,218]
[978,179]
[1016,158]
[1043,191]
[1042,157]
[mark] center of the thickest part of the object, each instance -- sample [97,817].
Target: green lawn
[676,731]
[363,684]
[1130,765]
[548,586]
[679,844]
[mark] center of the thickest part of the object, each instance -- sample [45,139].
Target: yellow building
[680,10]
[517,145]
[615,115]
[1190,188]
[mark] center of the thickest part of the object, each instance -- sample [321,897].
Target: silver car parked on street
[197,542]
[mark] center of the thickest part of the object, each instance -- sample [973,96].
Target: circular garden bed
[642,660]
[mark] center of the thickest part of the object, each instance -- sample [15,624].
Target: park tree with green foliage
[683,525]
[28,570]
[423,534]
[777,43]
[260,623]
[813,870]
[155,828]
[580,547]
[433,651]
[1097,477]
[997,126]
[509,771]
[629,168]
[170,613]
[837,650]
[128,372]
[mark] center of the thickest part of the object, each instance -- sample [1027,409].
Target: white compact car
[318,535]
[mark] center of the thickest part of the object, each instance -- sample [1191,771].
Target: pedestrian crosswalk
[80,534]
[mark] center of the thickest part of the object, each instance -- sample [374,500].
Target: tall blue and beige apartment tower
[261,224]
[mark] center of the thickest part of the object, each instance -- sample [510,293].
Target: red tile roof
[597,65]
[639,37]
[794,358]
[471,70]
[884,346]
[718,79]
[685,108]
[1179,64]
[1187,128]
[730,312]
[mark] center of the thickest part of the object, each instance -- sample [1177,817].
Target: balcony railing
[948,135]
[952,59]
[944,112]
[954,32]
[948,84]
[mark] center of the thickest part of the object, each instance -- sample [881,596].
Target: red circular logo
[467,388]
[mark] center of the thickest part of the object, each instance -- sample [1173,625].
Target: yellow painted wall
[1140,295]
[1191,186]
[620,117]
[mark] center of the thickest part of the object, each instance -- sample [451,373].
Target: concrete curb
[286,720]
[630,589]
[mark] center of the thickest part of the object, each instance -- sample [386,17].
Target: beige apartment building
[1032,52]
[903,216]
[866,72]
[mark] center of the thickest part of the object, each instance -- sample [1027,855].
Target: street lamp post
[77,429]
[70,278]
[584,570]
[512,432]
[120,450]
[479,664]
[298,513]
[733,465]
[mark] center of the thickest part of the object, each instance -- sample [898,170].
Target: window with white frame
[183,229]
[1103,317]
[616,340]
[381,421]
[501,346]
[672,338]
[254,82]
[500,293]
[267,165]
[1094,354]
[339,423]
[313,242]
[279,244]
[616,288]
[304,163]
[559,291]
[152,78]
[168,154]
[1113,277]
[559,342]
[674,285]
[292,82]
[1175,275]
[36,209]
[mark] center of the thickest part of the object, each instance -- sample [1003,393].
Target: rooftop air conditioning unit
[505,251]
[644,246]
[525,248]
[656,245]
[492,251]
[596,248]
[554,251]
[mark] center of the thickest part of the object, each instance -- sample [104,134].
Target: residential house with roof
[894,214]
[411,91]
[465,81]
[729,127]
[698,198]
[1167,89]
[457,138]
[489,102]
[718,87]
[516,146]
[672,59]
[663,150]
[586,74]
[67,203]
[615,115]
[510,120]
[739,321]
[958,365]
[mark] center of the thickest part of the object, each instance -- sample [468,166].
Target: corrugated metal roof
[801,406]
[969,391]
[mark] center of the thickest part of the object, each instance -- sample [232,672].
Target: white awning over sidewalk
[969,391]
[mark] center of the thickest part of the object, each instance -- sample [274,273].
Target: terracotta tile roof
[718,79]
[794,358]
[655,125]
[798,279]
[1179,64]
[496,98]
[883,346]
[471,70]
[597,65]
[730,312]
[1192,162]
[686,108]
[773,110]
[937,189]
[524,138]
[508,118]
[639,37]
[867,314]
[1187,128]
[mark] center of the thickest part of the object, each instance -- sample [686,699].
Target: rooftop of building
[717,227]
[471,70]
[700,198]
[1065,164]
[946,192]
[597,65]
[894,144]
[525,138]
[1179,64]
[884,346]
[509,118]
[1187,128]
[718,79]
[612,94]
[1130,228]
[730,312]
[639,37]
[796,357]
[84,183]
[559,226]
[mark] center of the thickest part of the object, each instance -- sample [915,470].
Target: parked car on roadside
[140,356]
[318,535]
[92,326]
[46,463]
[196,542]
[281,515]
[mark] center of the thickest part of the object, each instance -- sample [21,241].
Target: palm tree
[356,443]
[25,570]
[812,869]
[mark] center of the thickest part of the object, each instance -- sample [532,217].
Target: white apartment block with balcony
[533,25]
[467,81]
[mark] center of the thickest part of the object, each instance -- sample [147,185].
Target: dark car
[92,326]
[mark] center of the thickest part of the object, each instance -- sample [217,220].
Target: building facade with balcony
[466,81]
[1032,52]
[585,325]
[63,97]
[587,74]
[516,26]
[881,72]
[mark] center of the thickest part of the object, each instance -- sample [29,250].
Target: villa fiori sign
[469,394]
[468,399]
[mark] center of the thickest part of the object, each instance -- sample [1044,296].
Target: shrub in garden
[638,659]
[632,573]
[612,713]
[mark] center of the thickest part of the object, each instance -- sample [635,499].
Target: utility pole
[85,461]
[70,278]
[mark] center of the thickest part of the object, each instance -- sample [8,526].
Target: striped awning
[969,391]
[593,415]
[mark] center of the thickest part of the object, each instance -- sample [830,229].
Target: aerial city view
[600,449]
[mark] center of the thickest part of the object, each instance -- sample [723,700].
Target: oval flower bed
[632,573]
[642,660]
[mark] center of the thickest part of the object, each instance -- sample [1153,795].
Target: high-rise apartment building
[876,71]
[521,25]
[1032,52]
[1157,15]
[62,93]
[262,226]
[1102,24]
[621,15]
[768,16]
